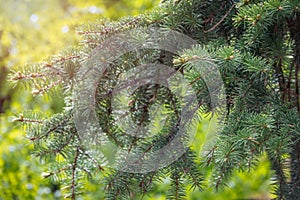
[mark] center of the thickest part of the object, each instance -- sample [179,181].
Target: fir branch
[254,123]
[22,119]
[46,88]
[177,196]
[50,65]
[297,85]
[91,158]
[252,140]
[289,83]
[58,150]
[50,126]
[248,88]
[59,60]
[48,174]
[19,76]
[144,186]
[223,18]
[113,29]
[74,168]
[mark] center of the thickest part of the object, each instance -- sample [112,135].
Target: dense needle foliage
[256,48]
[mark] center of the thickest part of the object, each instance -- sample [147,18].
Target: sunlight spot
[12,148]
[29,186]
[34,18]
[65,29]
[57,193]
[13,51]
[95,10]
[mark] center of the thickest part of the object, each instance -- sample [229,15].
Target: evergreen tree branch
[222,19]
[297,74]
[22,119]
[74,166]
[258,58]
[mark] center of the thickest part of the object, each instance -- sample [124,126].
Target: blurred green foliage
[30,31]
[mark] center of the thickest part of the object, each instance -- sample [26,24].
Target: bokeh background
[30,32]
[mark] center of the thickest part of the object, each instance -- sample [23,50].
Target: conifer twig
[297,87]
[217,24]
[21,118]
[74,173]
